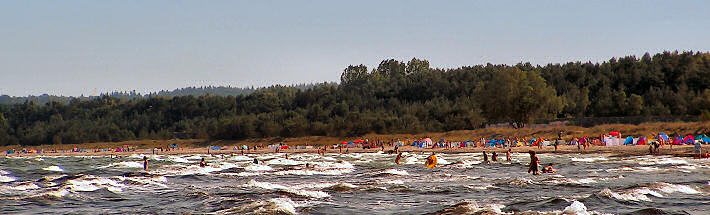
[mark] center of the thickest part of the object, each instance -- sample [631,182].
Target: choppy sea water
[369,183]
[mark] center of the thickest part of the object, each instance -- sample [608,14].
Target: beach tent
[612,141]
[642,141]
[174,145]
[214,147]
[492,143]
[678,141]
[702,137]
[426,142]
[629,141]
[689,139]
[664,136]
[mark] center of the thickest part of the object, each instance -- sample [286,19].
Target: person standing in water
[534,162]
[507,154]
[399,156]
[256,161]
[485,157]
[494,156]
[145,163]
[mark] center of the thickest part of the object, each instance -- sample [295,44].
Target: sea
[357,183]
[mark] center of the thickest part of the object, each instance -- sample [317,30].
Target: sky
[73,48]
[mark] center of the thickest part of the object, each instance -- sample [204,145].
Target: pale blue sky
[72,47]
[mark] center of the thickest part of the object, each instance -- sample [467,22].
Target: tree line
[394,97]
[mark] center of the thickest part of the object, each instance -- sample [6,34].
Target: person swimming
[145,163]
[549,169]
[203,163]
[256,161]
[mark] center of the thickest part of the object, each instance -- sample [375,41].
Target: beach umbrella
[614,133]
[344,142]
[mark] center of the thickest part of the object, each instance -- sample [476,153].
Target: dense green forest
[395,97]
[188,91]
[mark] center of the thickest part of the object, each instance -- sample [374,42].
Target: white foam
[278,205]
[521,181]
[131,164]
[258,167]
[576,208]
[313,172]
[309,193]
[21,187]
[662,161]
[6,178]
[54,168]
[396,172]
[92,183]
[286,162]
[293,190]
[480,187]
[179,159]
[672,188]
[181,169]
[240,158]
[411,160]
[244,174]
[589,159]
[57,193]
[154,181]
[442,161]
[324,185]
[624,196]
[264,185]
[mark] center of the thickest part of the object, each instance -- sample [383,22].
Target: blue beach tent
[629,141]
[664,136]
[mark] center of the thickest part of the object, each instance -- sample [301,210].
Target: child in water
[203,163]
[549,169]
[494,156]
[534,162]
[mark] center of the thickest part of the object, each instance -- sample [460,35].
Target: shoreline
[620,151]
